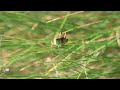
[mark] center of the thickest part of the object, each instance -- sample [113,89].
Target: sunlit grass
[91,52]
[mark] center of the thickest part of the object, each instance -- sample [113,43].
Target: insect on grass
[59,40]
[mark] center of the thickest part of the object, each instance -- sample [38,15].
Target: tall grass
[93,49]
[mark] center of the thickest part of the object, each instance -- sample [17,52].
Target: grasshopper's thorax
[59,40]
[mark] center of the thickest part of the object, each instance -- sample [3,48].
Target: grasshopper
[59,40]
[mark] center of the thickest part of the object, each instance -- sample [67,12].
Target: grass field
[92,50]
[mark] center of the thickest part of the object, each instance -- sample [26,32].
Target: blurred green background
[93,49]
